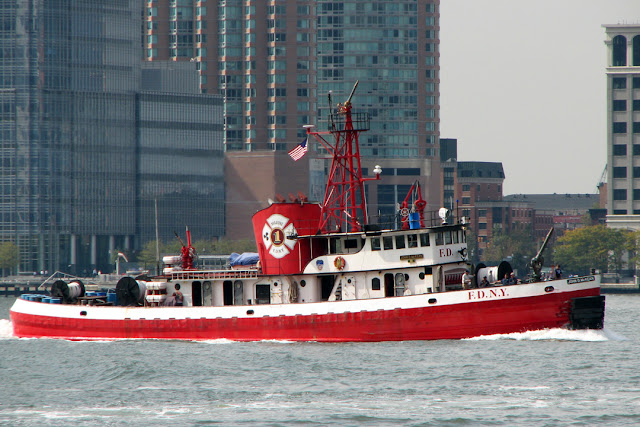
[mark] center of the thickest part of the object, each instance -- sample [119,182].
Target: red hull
[424,323]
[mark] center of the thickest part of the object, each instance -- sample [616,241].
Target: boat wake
[556,334]
[6,329]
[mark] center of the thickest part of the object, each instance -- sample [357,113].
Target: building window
[466,200]
[466,187]
[619,58]
[636,194]
[636,82]
[482,213]
[620,212]
[620,127]
[636,105]
[408,171]
[619,82]
[620,105]
[636,127]
[482,226]
[619,194]
[619,150]
[636,172]
[636,51]
[620,172]
[636,150]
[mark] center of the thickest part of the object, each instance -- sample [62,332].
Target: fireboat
[324,272]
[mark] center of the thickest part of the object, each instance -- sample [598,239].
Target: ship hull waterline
[450,315]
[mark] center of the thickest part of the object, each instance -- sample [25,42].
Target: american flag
[299,151]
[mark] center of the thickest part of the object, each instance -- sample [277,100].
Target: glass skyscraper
[74,132]
[392,49]
[68,73]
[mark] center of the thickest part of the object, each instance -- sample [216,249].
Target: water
[554,378]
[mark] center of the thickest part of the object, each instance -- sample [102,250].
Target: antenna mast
[344,207]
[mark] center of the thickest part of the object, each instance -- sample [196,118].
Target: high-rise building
[68,77]
[275,63]
[392,49]
[260,56]
[623,125]
[180,159]
[77,143]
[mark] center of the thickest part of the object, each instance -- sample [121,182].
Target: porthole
[421,276]
[303,283]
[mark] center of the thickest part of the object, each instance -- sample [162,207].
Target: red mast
[344,207]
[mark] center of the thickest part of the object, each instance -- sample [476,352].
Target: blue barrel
[101,294]
[56,301]
[25,296]
[46,300]
[414,220]
[112,298]
[90,294]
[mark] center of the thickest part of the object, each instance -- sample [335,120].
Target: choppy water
[554,378]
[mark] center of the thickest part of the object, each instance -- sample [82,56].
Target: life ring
[339,262]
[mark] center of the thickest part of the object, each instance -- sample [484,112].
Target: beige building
[623,125]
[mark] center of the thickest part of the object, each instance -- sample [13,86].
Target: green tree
[226,246]
[8,255]
[593,247]
[518,246]
[472,246]
[147,255]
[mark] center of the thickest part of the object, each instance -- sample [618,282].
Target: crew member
[178,298]
[466,280]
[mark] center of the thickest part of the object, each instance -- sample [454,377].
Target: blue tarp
[247,258]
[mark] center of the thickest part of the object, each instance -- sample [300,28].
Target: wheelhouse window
[335,245]
[400,242]
[440,239]
[424,239]
[387,242]
[375,243]
[351,244]
[447,238]
[375,284]
[412,241]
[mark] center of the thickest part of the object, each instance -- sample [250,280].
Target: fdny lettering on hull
[481,294]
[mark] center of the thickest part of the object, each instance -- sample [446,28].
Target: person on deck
[558,272]
[505,280]
[178,298]
[466,280]
[513,280]
[484,283]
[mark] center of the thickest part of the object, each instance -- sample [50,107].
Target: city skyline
[550,53]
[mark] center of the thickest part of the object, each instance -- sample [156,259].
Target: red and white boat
[325,273]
